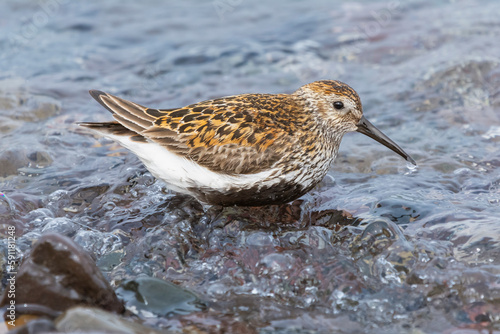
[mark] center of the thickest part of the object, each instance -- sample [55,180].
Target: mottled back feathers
[235,135]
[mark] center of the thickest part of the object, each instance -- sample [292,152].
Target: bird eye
[338,105]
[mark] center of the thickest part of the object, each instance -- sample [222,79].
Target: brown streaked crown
[329,87]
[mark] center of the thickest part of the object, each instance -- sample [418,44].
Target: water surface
[377,247]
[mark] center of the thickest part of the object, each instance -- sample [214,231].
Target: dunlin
[249,149]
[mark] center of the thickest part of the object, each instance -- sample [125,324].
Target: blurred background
[378,247]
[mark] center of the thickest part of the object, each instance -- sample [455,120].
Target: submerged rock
[41,325]
[11,161]
[148,295]
[87,319]
[57,275]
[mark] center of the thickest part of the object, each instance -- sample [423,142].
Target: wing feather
[242,134]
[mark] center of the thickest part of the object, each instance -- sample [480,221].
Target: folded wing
[229,135]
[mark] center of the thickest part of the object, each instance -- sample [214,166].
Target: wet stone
[61,225]
[383,251]
[7,102]
[40,159]
[85,195]
[7,207]
[58,274]
[376,237]
[398,211]
[7,125]
[107,247]
[155,296]
[32,108]
[37,326]
[94,320]
[11,161]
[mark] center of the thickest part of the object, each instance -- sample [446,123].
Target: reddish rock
[57,275]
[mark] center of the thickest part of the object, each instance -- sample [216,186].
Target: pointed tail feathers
[131,115]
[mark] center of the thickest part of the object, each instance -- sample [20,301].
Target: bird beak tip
[368,129]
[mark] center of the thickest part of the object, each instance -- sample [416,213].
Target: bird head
[339,106]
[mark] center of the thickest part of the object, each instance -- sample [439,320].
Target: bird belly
[183,175]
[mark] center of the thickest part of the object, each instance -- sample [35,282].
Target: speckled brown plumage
[250,149]
[236,135]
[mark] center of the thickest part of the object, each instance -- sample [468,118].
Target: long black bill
[371,131]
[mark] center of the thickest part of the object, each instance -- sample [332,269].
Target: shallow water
[378,247]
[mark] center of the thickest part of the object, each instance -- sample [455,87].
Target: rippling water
[377,247]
